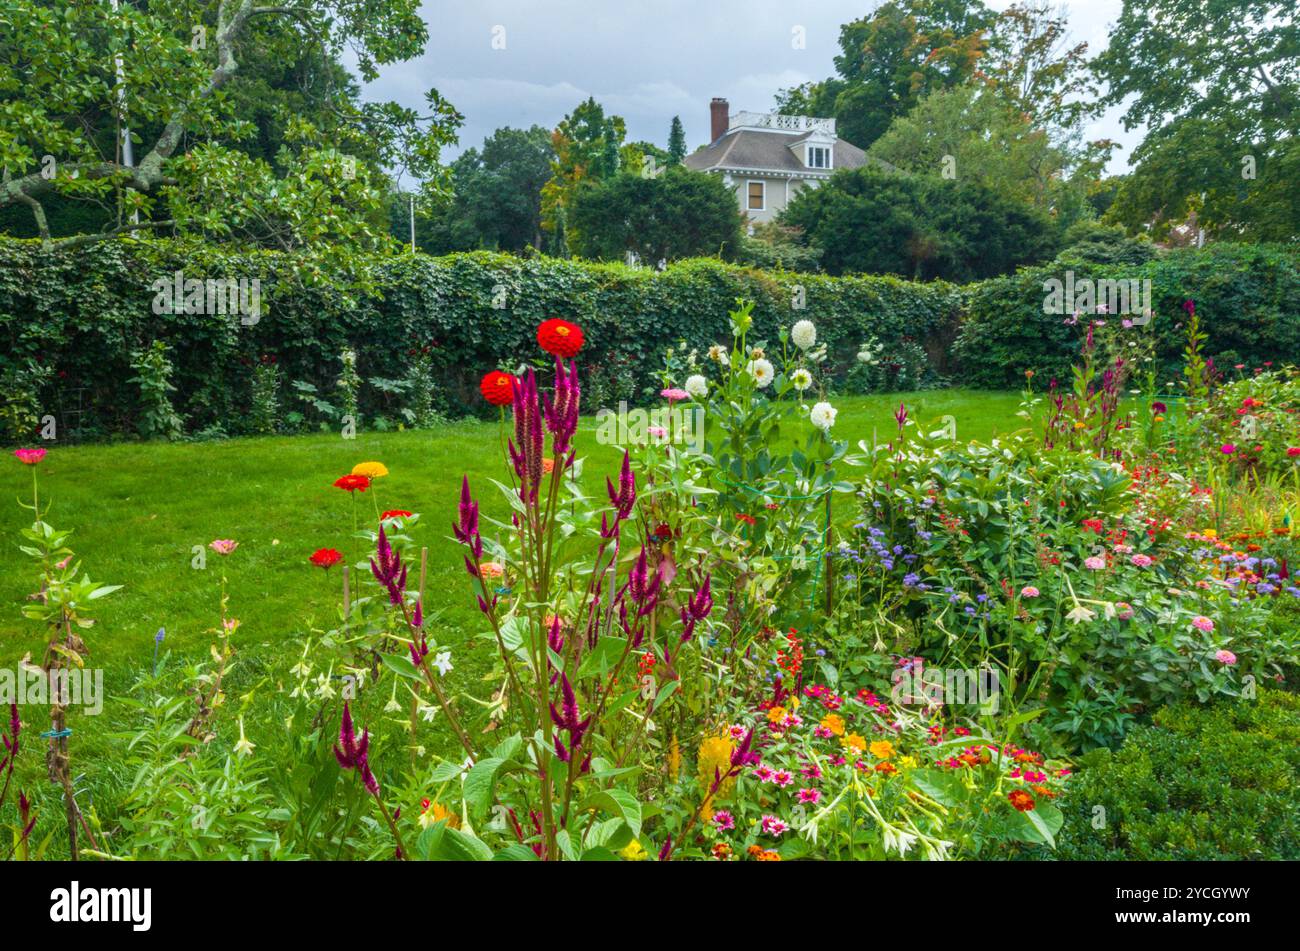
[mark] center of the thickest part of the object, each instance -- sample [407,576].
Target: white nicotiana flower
[822,415]
[1080,614]
[697,386]
[762,372]
[801,379]
[443,663]
[804,334]
[244,747]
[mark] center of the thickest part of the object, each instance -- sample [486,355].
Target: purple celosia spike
[701,602]
[740,755]
[418,620]
[666,850]
[467,527]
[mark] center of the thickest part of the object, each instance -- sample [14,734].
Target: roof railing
[780,123]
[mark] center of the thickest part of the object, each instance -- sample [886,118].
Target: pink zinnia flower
[782,778]
[1202,623]
[658,432]
[1095,563]
[1142,561]
[809,795]
[1227,449]
[1225,657]
[1029,591]
[223,546]
[722,819]
[763,773]
[29,457]
[672,394]
[773,826]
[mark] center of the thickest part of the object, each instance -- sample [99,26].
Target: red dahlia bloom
[353,483]
[560,338]
[326,558]
[498,388]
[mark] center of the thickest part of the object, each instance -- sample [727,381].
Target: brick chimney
[718,118]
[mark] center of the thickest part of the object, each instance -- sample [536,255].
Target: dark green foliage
[1248,298]
[665,217]
[1203,782]
[867,220]
[83,315]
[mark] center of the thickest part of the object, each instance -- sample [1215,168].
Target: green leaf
[616,802]
[401,666]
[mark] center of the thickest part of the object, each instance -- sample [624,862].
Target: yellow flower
[634,852]
[854,742]
[834,722]
[908,762]
[714,758]
[776,714]
[674,759]
[434,813]
[882,749]
[371,469]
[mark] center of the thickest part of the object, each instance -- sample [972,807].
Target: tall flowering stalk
[354,754]
[61,604]
[565,614]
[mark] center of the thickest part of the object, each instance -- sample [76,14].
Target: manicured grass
[140,509]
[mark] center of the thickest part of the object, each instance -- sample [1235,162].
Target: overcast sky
[648,61]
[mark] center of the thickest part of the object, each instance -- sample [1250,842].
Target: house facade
[766,159]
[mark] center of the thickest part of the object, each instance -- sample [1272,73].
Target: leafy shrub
[1213,782]
[1247,298]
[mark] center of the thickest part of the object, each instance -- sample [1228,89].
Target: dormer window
[819,156]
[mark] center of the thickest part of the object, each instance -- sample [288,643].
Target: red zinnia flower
[353,483]
[742,517]
[560,337]
[1021,800]
[29,457]
[1293,451]
[395,513]
[326,558]
[498,388]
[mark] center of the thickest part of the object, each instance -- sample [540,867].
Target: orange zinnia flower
[1021,800]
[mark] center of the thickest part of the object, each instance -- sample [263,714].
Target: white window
[757,200]
[819,156]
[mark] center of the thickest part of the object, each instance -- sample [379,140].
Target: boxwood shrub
[1201,782]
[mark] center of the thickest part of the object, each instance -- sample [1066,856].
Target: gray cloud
[645,62]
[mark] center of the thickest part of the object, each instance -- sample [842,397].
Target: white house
[767,159]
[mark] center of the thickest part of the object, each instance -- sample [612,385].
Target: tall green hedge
[1247,297]
[83,313]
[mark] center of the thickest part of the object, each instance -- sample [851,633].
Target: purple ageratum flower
[353,753]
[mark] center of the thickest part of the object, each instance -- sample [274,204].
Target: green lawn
[140,509]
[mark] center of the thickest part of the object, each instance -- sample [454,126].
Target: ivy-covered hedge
[84,313]
[1247,298]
